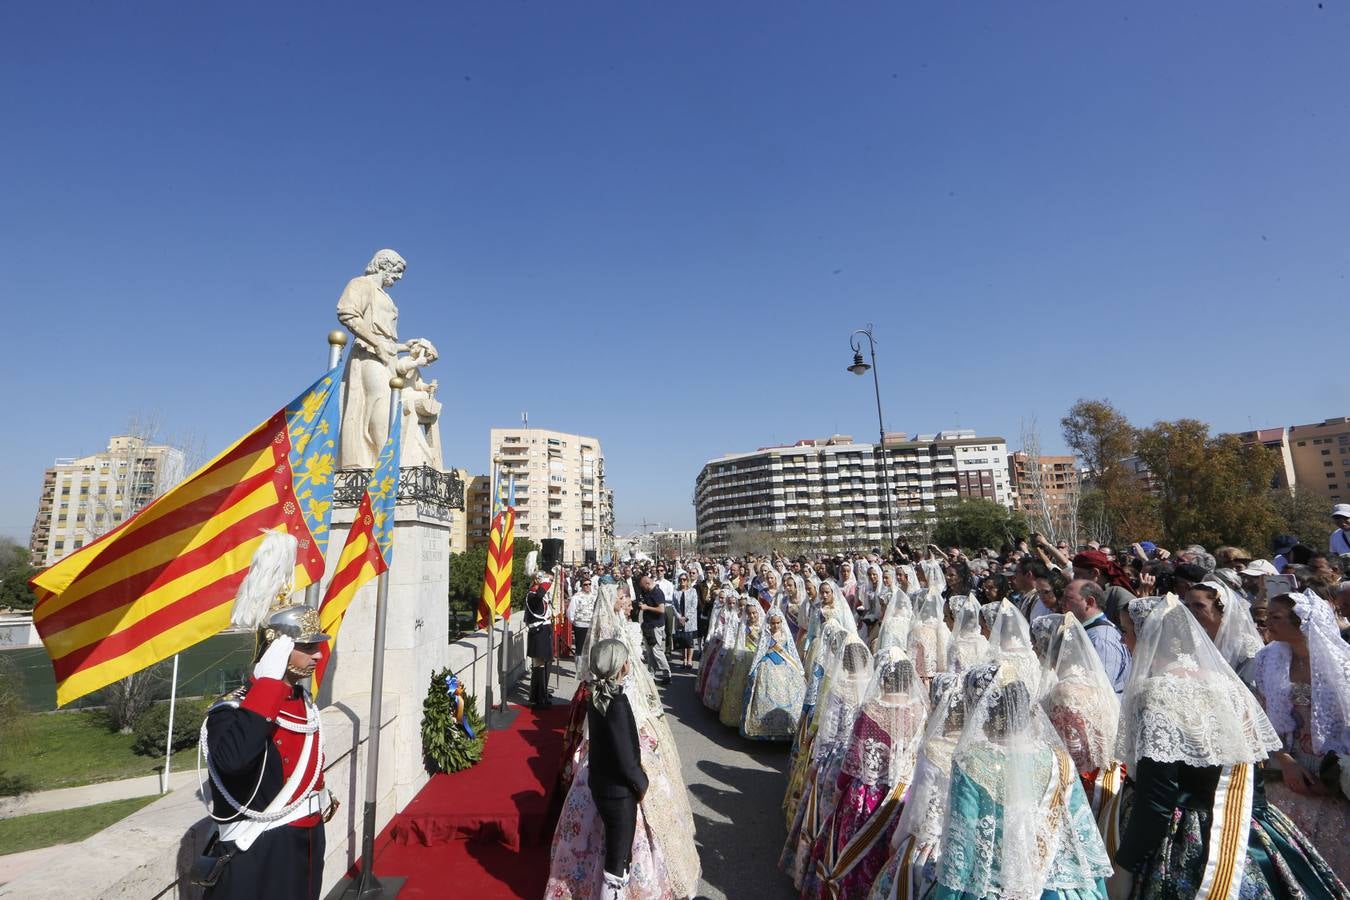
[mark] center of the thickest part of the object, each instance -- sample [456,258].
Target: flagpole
[492,613]
[168,740]
[367,886]
[337,339]
[506,634]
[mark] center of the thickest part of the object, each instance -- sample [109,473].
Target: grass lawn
[68,749]
[65,826]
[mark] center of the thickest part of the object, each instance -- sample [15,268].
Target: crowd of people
[1029,722]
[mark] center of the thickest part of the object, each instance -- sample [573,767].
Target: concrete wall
[17,631]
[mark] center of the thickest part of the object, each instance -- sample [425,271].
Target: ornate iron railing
[435,493]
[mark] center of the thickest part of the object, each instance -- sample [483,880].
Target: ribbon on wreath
[456,692]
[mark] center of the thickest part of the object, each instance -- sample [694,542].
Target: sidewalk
[89,794]
[16,864]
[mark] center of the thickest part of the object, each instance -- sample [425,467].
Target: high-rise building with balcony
[1046,488]
[831,492]
[84,497]
[560,488]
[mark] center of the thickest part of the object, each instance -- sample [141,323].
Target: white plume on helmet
[268,579]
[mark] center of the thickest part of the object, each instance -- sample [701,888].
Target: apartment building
[1321,458]
[1045,488]
[477,510]
[832,492]
[84,497]
[560,488]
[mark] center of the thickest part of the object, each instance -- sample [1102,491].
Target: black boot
[545,700]
[535,682]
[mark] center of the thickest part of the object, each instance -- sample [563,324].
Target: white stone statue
[421,410]
[369,313]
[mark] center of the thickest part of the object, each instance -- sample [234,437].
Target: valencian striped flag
[369,548]
[165,578]
[496,600]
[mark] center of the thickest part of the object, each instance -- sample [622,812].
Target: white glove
[275,658]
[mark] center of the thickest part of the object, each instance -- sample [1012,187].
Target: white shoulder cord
[311,725]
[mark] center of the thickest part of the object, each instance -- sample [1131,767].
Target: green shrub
[153,725]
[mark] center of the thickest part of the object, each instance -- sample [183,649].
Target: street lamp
[860,368]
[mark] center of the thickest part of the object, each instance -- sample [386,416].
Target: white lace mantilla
[1192,719]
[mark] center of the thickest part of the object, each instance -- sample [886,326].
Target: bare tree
[1036,501]
[124,701]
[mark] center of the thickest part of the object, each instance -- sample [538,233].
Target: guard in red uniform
[263,749]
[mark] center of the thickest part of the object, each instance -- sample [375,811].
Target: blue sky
[658,223]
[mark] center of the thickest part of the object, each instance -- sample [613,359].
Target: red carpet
[478,833]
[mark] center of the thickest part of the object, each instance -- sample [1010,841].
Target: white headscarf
[1237,639]
[889,724]
[928,637]
[1080,701]
[926,804]
[840,696]
[1183,702]
[1010,641]
[968,645]
[932,571]
[1329,659]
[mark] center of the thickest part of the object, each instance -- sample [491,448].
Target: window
[1326,462]
[1326,452]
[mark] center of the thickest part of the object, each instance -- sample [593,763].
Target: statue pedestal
[416,637]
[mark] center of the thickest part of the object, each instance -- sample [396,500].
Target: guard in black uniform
[539,638]
[263,749]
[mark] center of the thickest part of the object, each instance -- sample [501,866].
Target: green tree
[467,570]
[1211,490]
[16,568]
[1300,513]
[1104,439]
[972,524]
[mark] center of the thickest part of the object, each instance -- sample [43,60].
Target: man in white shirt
[580,611]
[1340,538]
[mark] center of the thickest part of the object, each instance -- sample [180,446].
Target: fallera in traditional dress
[773,695]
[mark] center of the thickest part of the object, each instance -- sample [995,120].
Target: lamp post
[860,368]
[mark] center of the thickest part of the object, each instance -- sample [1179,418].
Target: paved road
[736,791]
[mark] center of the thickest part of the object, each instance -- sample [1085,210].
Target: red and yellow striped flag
[369,549]
[496,600]
[164,579]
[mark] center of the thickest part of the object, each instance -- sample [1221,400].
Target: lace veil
[824,653]
[1010,641]
[889,724]
[968,645]
[932,573]
[1079,699]
[836,605]
[896,622]
[928,637]
[840,696]
[1329,659]
[1010,752]
[775,636]
[926,803]
[1238,640]
[1183,702]
[1043,631]
[638,685]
